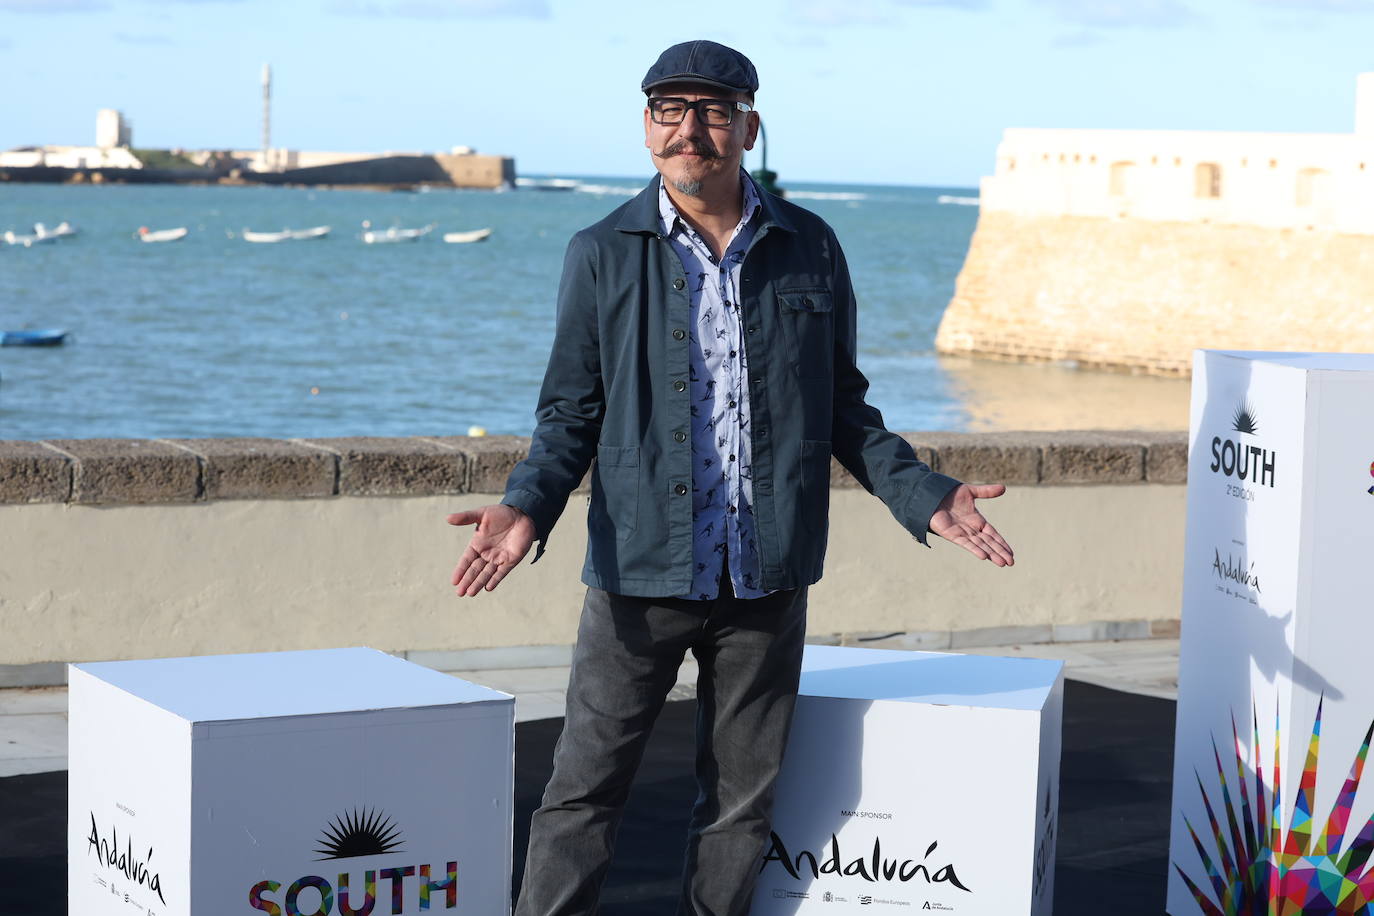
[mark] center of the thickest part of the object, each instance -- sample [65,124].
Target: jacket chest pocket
[809,330]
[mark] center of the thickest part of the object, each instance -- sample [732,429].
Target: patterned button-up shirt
[722,494]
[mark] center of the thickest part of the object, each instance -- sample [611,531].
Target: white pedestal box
[917,780]
[341,781]
[1276,683]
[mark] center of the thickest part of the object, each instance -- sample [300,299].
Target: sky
[908,92]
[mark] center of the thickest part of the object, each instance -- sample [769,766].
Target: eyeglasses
[711,112]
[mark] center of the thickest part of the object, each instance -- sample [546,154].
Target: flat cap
[705,62]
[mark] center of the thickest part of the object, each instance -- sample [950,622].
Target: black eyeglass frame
[730,106]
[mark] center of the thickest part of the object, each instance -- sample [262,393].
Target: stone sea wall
[115,549]
[1142,295]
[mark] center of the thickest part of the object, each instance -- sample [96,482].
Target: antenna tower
[266,110]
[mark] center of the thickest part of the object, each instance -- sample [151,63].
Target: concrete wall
[1143,295]
[129,548]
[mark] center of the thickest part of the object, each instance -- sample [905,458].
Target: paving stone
[1101,630]
[1008,458]
[39,674]
[1001,636]
[33,473]
[1090,457]
[131,471]
[375,466]
[250,468]
[490,459]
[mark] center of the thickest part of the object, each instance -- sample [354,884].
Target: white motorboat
[474,235]
[162,235]
[26,241]
[62,230]
[394,234]
[286,235]
[249,235]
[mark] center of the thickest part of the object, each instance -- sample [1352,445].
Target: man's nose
[691,125]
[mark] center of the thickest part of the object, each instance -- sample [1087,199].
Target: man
[704,355]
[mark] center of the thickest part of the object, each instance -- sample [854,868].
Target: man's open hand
[959,522]
[503,537]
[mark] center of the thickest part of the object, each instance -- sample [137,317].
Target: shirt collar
[669,217]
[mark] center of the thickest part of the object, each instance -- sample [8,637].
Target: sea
[212,336]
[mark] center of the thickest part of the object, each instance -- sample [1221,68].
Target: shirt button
[732,457]
[731,510]
[679,334]
[679,283]
[732,403]
[679,385]
[680,436]
[680,489]
[732,354]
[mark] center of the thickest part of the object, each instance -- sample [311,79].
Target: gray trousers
[627,657]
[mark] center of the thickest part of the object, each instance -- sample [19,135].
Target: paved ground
[33,720]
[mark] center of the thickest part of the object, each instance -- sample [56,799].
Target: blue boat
[42,338]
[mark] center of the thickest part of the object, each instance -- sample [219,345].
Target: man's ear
[751,129]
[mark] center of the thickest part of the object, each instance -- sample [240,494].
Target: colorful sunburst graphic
[366,833]
[1256,868]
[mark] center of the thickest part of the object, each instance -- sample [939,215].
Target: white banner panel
[1276,689]
[917,781]
[294,784]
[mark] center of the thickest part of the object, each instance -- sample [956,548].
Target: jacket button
[753,330]
[679,385]
[679,334]
[680,436]
[679,283]
[807,302]
[680,489]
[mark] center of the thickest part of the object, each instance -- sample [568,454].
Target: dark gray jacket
[616,390]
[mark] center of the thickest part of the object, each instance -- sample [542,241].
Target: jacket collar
[641,213]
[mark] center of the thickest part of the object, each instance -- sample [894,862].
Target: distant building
[1129,248]
[69,157]
[111,130]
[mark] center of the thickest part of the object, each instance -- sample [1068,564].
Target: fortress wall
[1143,294]
[116,549]
[1319,181]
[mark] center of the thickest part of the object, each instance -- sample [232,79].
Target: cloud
[835,13]
[444,9]
[1120,14]
[1083,38]
[132,38]
[52,6]
[970,5]
[1321,6]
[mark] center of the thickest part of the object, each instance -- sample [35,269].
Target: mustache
[700,147]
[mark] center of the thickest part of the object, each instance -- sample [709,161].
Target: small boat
[62,230]
[266,237]
[394,234]
[474,235]
[315,232]
[39,338]
[162,235]
[27,241]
